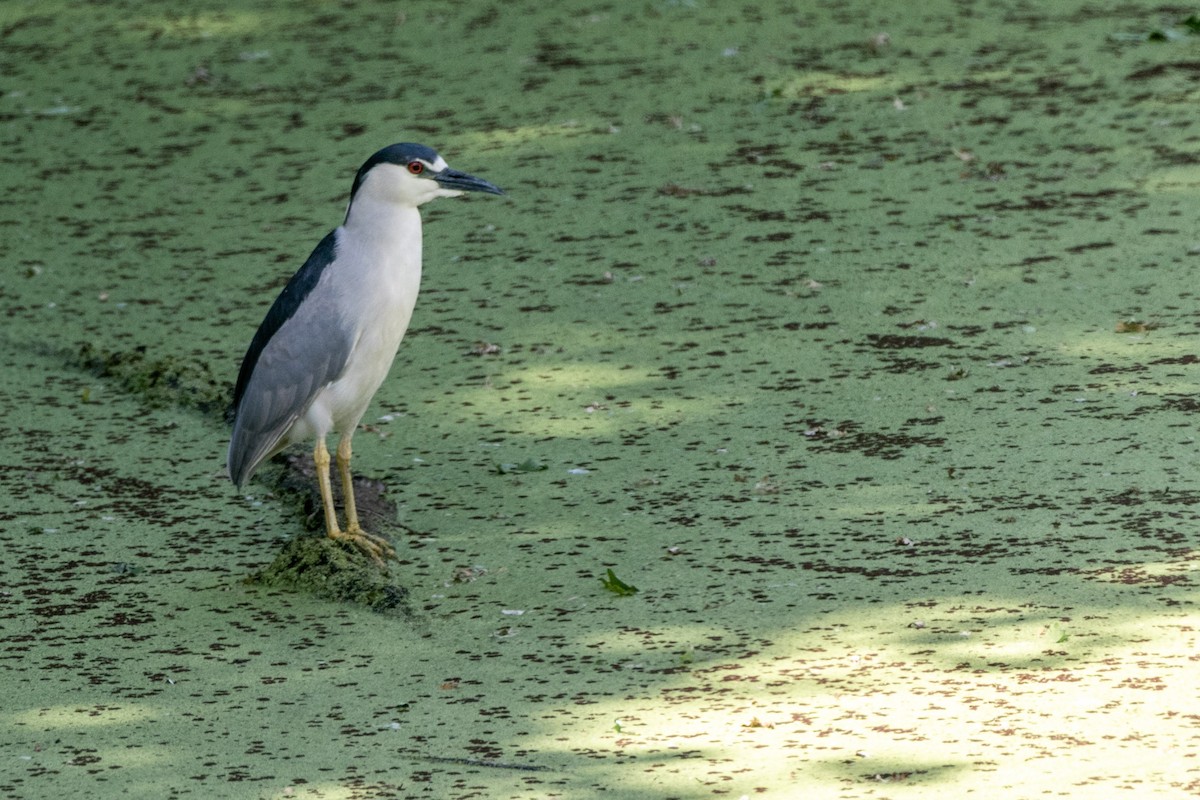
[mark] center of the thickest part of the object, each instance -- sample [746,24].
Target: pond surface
[862,343]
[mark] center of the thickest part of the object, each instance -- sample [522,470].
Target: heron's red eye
[416,167]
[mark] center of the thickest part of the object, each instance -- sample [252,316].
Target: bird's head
[411,174]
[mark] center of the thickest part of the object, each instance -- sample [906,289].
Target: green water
[860,341]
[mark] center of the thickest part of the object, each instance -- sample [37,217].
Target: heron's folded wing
[298,350]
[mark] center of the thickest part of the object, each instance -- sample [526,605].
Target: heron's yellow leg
[377,547]
[343,464]
[321,460]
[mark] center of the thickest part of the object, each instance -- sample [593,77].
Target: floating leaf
[617,586]
[528,465]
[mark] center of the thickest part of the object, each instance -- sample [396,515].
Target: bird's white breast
[375,278]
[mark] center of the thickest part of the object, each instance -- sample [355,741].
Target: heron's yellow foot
[377,548]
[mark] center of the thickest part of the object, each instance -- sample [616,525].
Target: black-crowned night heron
[329,339]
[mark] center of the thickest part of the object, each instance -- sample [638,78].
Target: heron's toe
[377,548]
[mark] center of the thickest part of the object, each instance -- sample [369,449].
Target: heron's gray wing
[297,351]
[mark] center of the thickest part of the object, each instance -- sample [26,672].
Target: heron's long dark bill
[453,179]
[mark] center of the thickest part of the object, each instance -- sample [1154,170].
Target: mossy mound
[319,566]
[158,382]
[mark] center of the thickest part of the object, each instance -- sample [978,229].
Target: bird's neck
[385,227]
